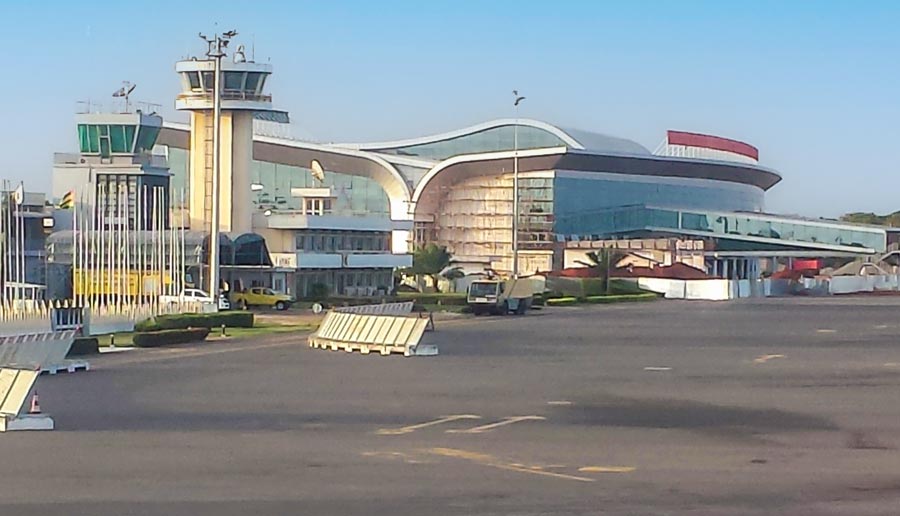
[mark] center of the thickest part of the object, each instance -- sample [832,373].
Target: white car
[196,295]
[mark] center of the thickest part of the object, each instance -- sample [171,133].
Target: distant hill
[892,219]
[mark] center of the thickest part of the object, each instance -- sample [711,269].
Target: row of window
[344,282]
[251,82]
[107,139]
[342,241]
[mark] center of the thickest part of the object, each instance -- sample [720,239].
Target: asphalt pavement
[778,406]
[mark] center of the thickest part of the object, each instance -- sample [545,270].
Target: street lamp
[515,223]
[216,51]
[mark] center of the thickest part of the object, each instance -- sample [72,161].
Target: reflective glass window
[83,142]
[194,79]
[252,81]
[233,80]
[208,83]
[117,139]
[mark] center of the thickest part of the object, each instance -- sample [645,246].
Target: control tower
[243,95]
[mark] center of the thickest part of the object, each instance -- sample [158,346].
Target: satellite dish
[317,308]
[317,171]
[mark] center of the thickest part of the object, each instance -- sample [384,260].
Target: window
[234,80]
[252,81]
[316,206]
[194,79]
[208,83]
[117,139]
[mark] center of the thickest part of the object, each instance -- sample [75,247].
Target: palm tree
[431,261]
[601,262]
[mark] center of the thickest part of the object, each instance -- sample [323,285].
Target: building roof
[471,140]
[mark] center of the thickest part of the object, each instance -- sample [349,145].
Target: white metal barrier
[403,308]
[16,386]
[45,351]
[384,334]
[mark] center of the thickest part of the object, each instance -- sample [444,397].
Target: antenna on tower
[125,91]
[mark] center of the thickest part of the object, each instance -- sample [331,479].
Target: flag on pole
[68,201]
[19,194]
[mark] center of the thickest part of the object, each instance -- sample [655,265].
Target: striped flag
[68,201]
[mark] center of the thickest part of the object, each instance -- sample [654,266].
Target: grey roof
[599,142]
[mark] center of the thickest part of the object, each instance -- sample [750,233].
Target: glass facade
[579,194]
[490,140]
[353,195]
[632,219]
[108,139]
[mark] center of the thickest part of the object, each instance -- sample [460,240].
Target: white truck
[499,297]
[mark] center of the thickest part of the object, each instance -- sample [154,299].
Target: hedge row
[624,298]
[232,319]
[562,301]
[150,339]
[428,298]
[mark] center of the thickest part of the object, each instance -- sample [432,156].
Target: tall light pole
[515,221]
[216,51]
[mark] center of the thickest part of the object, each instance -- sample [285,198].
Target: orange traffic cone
[35,404]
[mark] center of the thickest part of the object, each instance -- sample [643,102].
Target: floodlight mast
[216,51]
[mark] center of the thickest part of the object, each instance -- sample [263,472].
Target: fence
[384,334]
[718,290]
[45,316]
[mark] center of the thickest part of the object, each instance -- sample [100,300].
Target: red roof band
[707,141]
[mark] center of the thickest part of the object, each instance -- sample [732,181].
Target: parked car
[195,295]
[261,296]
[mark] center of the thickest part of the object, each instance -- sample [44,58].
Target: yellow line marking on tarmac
[606,469]
[559,402]
[825,330]
[762,359]
[484,459]
[413,428]
[505,421]
[892,364]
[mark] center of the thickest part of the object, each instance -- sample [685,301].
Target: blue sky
[814,85]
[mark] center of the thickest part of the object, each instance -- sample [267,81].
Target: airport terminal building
[347,215]
[455,189]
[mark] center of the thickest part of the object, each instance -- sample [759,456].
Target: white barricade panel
[381,333]
[14,396]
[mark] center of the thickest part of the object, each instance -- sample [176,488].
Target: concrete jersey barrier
[384,334]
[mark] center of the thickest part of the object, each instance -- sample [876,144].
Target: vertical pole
[76,249]
[515,221]
[214,230]
[181,270]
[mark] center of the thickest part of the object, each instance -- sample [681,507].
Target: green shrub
[623,298]
[84,346]
[562,301]
[593,286]
[318,292]
[152,339]
[232,319]
[428,298]
[620,286]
